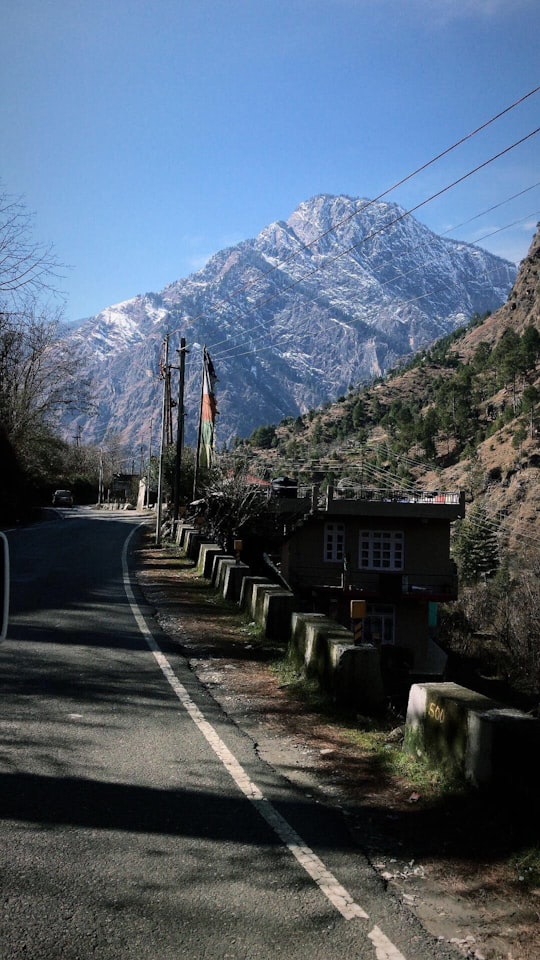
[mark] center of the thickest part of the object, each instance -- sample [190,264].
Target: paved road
[137,821]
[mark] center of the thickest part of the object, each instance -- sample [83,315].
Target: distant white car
[62,498]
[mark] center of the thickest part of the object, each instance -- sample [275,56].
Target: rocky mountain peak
[332,296]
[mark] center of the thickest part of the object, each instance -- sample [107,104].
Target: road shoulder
[463,898]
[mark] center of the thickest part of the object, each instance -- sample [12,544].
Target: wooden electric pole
[180,428]
[159,504]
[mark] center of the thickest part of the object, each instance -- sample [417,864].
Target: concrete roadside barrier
[325,651]
[470,735]
[259,593]
[276,613]
[229,577]
[246,593]
[181,533]
[192,540]
[218,559]
[207,554]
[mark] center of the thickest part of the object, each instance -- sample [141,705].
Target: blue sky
[147,134]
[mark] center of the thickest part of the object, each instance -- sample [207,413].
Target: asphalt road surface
[136,820]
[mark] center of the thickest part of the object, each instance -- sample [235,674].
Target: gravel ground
[449,863]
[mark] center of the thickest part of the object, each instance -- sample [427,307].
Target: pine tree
[475,547]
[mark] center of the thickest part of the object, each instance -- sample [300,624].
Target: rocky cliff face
[522,307]
[329,298]
[508,474]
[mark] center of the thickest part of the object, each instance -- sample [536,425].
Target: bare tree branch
[28,269]
[38,379]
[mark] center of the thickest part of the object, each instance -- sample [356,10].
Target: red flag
[208,412]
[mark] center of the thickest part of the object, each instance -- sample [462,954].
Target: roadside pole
[180,428]
[162,444]
[4,585]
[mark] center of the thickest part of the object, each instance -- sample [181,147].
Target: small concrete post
[358,612]
[238,547]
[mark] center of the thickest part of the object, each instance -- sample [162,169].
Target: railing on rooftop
[354,491]
[359,492]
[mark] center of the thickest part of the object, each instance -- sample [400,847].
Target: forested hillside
[463,414]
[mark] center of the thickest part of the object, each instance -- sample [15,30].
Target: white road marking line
[384,948]
[338,896]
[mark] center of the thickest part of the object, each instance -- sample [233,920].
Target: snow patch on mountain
[334,295]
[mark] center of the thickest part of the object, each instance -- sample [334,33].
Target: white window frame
[381,550]
[334,542]
[380,624]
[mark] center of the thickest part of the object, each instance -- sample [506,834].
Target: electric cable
[376,199]
[376,311]
[386,226]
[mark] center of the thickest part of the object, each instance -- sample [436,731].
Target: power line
[386,226]
[495,206]
[232,351]
[365,317]
[395,186]
[374,473]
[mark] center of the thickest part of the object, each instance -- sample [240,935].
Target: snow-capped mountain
[333,296]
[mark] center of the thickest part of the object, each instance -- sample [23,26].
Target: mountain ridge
[460,415]
[334,295]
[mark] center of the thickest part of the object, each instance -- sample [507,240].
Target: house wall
[426,559]
[426,548]
[412,631]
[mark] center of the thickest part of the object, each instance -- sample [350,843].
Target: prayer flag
[208,412]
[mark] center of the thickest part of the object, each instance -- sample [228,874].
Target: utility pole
[100,479]
[169,406]
[149,464]
[180,428]
[162,444]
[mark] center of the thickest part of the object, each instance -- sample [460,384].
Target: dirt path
[449,863]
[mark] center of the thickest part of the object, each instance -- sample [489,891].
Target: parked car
[62,498]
